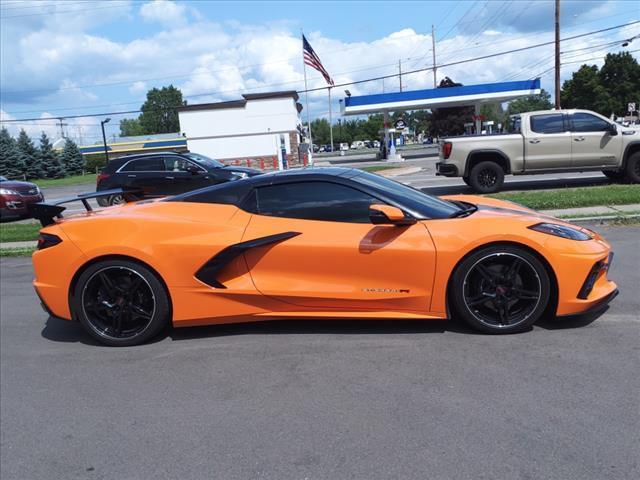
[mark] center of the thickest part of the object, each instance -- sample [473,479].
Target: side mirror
[613,129]
[388,215]
[192,169]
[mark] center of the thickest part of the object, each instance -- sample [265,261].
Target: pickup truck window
[548,123]
[515,124]
[585,122]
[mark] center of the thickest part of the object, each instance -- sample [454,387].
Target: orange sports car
[313,243]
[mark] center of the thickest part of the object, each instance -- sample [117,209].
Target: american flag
[311,59]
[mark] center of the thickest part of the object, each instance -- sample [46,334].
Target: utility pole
[557,86]
[433,49]
[400,72]
[62,125]
[104,139]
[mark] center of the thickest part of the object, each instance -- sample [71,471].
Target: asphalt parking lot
[324,400]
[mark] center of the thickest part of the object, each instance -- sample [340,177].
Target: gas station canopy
[439,97]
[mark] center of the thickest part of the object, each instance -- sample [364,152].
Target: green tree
[159,113]
[531,103]
[584,90]
[53,168]
[11,159]
[620,77]
[71,158]
[131,127]
[320,131]
[33,164]
[449,121]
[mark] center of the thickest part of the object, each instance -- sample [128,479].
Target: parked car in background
[376,144]
[165,173]
[344,146]
[543,142]
[15,197]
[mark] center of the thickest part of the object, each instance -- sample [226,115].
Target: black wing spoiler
[47,212]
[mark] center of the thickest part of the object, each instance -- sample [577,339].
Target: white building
[252,131]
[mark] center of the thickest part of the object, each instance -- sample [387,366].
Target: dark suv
[165,173]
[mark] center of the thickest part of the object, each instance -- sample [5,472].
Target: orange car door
[333,256]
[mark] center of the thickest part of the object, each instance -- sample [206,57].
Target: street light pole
[104,139]
[557,79]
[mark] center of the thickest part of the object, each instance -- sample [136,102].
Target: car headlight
[563,231]
[6,191]
[241,174]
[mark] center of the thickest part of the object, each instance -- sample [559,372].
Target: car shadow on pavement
[338,327]
[574,321]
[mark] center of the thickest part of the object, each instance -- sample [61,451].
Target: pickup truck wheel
[633,168]
[486,177]
[466,180]
[614,175]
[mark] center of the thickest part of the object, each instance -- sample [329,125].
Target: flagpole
[306,96]
[330,120]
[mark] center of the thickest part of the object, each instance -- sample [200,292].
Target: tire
[500,289]
[102,201]
[486,177]
[116,200]
[466,180]
[614,175]
[120,303]
[632,169]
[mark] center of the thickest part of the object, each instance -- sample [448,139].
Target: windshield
[427,206]
[205,161]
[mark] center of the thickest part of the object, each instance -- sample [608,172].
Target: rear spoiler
[47,212]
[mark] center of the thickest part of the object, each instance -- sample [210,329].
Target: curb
[598,217]
[396,172]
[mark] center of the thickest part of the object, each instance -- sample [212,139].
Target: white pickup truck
[543,142]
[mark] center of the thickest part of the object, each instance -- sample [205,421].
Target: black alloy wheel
[121,303]
[501,290]
[486,177]
[633,168]
[116,199]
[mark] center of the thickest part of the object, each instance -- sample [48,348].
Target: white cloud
[165,12]
[138,87]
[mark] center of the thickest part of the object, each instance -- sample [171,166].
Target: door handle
[170,178]
[131,176]
[578,139]
[535,140]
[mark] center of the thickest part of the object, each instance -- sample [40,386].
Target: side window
[323,201]
[176,164]
[584,122]
[151,164]
[548,123]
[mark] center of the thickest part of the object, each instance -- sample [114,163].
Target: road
[324,400]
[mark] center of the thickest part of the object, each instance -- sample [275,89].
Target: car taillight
[446,149]
[46,240]
[102,176]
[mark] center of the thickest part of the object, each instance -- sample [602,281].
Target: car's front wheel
[500,289]
[486,177]
[121,303]
[117,199]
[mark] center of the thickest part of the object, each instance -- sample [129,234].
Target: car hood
[252,172]
[503,207]
[15,184]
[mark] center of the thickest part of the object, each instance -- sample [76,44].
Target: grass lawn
[89,178]
[574,197]
[377,168]
[19,232]
[16,252]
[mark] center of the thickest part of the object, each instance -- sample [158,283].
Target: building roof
[239,103]
[439,97]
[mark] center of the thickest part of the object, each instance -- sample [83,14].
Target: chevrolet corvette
[312,243]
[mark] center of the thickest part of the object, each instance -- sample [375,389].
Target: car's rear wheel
[116,199]
[486,177]
[633,168]
[501,289]
[121,303]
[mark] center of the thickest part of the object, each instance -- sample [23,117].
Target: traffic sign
[631,107]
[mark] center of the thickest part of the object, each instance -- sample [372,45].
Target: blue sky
[74,57]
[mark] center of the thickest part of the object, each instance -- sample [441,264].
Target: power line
[483,57]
